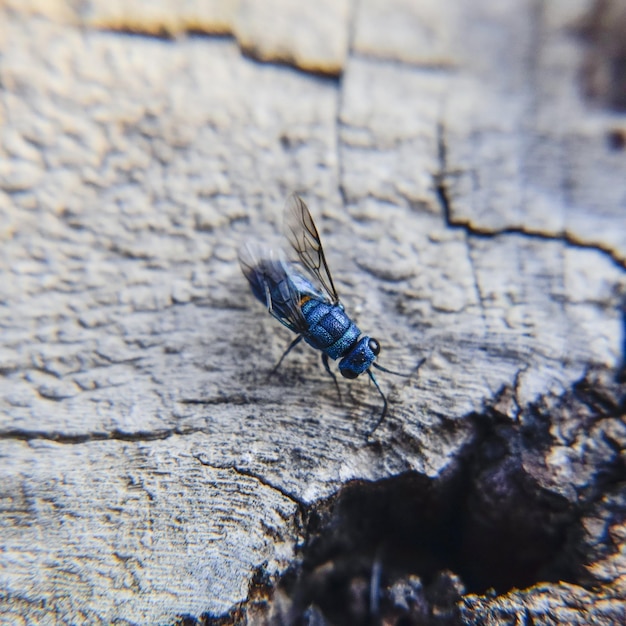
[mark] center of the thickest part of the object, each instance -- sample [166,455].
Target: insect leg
[384,411]
[327,368]
[292,345]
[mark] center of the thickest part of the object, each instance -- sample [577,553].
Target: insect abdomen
[330,329]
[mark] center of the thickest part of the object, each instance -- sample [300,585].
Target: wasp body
[308,304]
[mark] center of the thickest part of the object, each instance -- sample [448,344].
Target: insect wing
[272,282]
[305,240]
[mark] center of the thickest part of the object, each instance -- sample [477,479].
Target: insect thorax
[330,329]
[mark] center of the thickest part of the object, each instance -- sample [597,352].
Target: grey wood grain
[472,213]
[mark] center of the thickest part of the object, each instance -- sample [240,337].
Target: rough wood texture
[472,208]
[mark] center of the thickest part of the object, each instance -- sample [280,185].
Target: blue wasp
[309,305]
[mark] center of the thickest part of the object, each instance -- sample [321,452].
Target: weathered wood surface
[473,212]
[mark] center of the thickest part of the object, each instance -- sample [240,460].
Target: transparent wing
[274,284]
[305,240]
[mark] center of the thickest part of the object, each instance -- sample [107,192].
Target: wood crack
[114,435]
[250,474]
[472,230]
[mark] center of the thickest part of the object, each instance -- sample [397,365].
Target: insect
[308,304]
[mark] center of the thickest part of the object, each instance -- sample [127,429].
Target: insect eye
[374,346]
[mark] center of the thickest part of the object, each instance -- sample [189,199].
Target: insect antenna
[388,371]
[384,411]
[380,391]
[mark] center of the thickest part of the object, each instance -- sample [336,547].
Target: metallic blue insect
[308,304]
